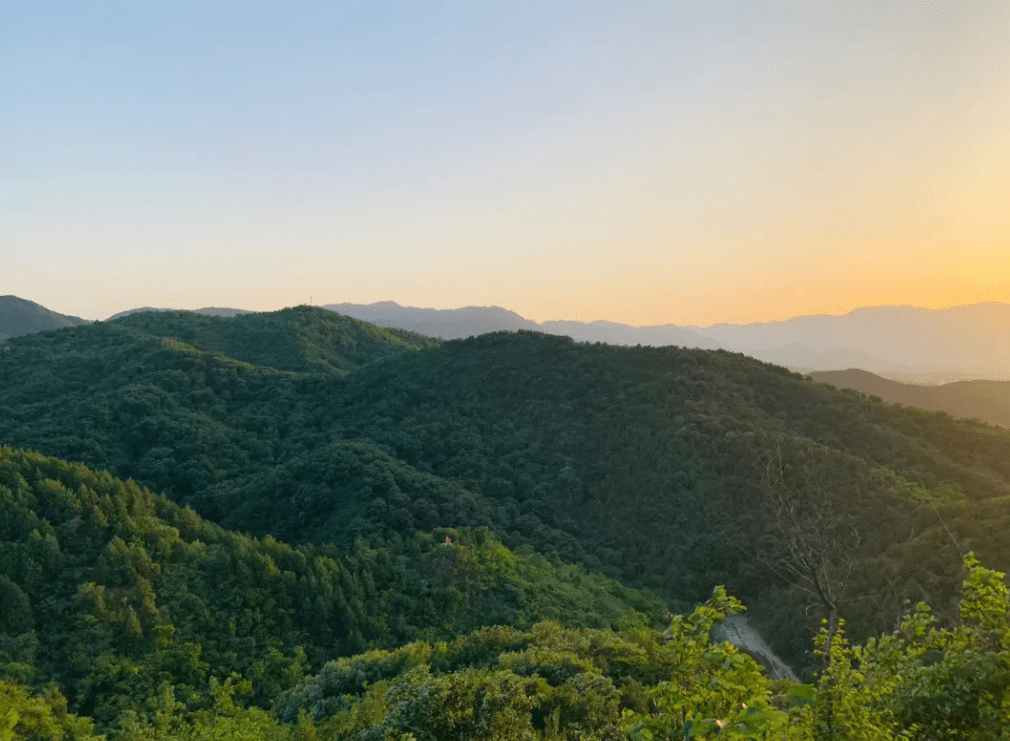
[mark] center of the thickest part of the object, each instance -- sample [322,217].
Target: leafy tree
[25,717]
[714,690]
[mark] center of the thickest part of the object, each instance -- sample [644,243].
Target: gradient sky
[642,162]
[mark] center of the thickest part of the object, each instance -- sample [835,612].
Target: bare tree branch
[811,539]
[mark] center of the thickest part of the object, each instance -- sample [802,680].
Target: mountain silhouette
[898,342]
[19,316]
[446,324]
[971,341]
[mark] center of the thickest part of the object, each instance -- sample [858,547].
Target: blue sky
[640,162]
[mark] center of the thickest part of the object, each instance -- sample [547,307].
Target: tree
[714,690]
[812,537]
[40,717]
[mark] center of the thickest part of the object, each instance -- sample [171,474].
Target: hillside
[998,391]
[110,592]
[295,339]
[123,611]
[20,317]
[398,495]
[651,465]
[988,401]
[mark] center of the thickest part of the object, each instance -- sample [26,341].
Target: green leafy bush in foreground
[921,682]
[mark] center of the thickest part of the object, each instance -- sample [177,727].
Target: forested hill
[223,311]
[121,610]
[988,401]
[117,595]
[19,317]
[665,468]
[296,339]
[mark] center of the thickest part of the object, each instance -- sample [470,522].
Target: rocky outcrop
[736,629]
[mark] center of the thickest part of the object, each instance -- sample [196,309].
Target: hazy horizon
[327,303]
[677,163]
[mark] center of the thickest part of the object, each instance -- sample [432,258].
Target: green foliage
[635,462]
[294,339]
[922,681]
[44,717]
[116,594]
[15,608]
[910,490]
[402,492]
[548,682]
[714,690]
[130,647]
[226,720]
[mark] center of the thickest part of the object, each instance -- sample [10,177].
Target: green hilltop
[295,339]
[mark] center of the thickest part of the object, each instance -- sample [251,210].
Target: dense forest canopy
[325,488]
[108,590]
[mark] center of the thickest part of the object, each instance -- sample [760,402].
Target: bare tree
[811,538]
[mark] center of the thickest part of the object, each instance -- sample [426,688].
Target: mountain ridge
[20,316]
[206,311]
[985,401]
[881,339]
[959,343]
[964,342]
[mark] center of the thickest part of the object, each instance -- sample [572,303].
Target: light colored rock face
[736,629]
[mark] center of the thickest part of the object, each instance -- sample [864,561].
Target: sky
[640,162]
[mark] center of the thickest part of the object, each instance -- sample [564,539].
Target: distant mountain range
[970,341]
[988,401]
[883,339]
[451,324]
[18,317]
[902,343]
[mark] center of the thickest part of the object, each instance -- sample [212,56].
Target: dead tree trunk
[811,539]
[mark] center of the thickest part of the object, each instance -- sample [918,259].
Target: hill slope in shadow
[20,317]
[988,401]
